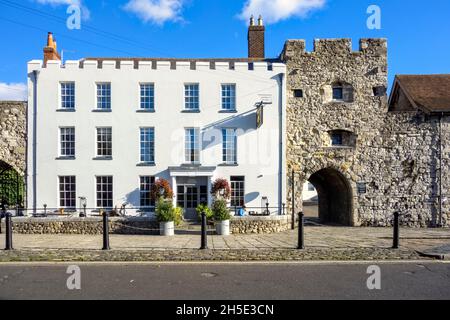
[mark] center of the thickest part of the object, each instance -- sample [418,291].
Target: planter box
[167,228]
[223,228]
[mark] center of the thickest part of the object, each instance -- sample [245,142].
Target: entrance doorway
[334,196]
[189,196]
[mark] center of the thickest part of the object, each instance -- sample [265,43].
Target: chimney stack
[256,47]
[50,51]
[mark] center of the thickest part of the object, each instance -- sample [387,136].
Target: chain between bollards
[396,238]
[301,231]
[105,231]
[8,227]
[204,240]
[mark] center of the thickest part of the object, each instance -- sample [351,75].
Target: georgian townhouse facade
[103,130]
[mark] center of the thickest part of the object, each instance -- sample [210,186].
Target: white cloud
[156,11]
[85,13]
[13,91]
[277,10]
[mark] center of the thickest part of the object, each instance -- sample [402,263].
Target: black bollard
[2,214]
[105,231]
[396,240]
[204,241]
[8,242]
[267,209]
[301,237]
[284,209]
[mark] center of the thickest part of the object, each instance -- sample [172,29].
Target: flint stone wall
[396,155]
[13,134]
[135,225]
[88,226]
[260,225]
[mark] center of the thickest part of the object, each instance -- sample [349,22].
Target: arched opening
[334,197]
[11,186]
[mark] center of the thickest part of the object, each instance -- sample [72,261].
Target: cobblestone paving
[323,243]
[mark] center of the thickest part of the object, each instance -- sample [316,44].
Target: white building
[105,129]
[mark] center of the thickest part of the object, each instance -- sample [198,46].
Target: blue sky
[417,31]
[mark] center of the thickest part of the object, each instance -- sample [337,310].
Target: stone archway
[12,190]
[335,196]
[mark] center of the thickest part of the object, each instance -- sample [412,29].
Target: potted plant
[204,208]
[221,217]
[166,216]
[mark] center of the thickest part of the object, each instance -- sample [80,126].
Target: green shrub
[204,208]
[178,218]
[220,210]
[165,212]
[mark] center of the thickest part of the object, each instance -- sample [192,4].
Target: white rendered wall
[260,153]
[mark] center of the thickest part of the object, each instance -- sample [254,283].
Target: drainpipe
[281,145]
[35,86]
[440,169]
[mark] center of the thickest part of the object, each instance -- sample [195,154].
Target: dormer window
[338,92]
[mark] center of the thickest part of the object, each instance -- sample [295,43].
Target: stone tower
[336,104]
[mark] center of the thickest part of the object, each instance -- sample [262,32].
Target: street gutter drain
[209,274]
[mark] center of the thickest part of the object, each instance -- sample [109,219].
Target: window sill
[102,110]
[103,158]
[228,165]
[145,111]
[65,110]
[190,111]
[228,111]
[146,164]
[65,158]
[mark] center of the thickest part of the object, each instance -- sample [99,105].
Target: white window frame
[237,185]
[65,145]
[63,94]
[151,144]
[102,145]
[189,103]
[103,190]
[64,201]
[99,104]
[229,146]
[151,97]
[192,145]
[228,102]
[146,191]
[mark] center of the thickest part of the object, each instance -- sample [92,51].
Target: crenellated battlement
[153,64]
[336,47]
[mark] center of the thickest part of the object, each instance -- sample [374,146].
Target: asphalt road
[226,281]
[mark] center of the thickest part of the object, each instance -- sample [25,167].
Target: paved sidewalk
[424,240]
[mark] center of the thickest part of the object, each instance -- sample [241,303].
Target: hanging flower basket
[221,189]
[161,189]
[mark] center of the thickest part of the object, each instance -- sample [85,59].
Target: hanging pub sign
[259,115]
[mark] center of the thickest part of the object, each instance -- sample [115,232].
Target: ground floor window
[104,191]
[67,192]
[237,191]
[145,188]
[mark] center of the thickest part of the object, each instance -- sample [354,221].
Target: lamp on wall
[83,204]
